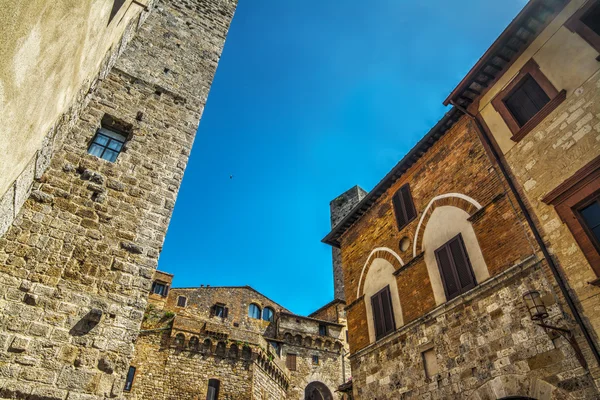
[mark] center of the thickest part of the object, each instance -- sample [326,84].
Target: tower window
[219,310]
[322,330]
[107,144]
[129,380]
[290,361]
[213,389]
[254,311]
[586,23]
[315,360]
[160,289]
[267,314]
[181,301]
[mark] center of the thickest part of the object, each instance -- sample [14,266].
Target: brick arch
[459,200]
[381,252]
[515,386]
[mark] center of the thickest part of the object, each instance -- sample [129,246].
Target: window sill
[539,117]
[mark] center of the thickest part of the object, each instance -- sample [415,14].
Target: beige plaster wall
[50,50]
[445,223]
[380,275]
[563,56]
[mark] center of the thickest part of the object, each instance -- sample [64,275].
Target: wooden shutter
[526,100]
[225,312]
[213,310]
[290,362]
[404,207]
[383,313]
[153,287]
[166,291]
[455,268]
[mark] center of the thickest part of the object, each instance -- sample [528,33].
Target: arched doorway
[317,391]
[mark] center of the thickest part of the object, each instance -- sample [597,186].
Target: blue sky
[312,97]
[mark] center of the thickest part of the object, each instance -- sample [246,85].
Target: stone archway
[518,387]
[317,391]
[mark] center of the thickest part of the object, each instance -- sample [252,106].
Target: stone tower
[76,264]
[339,208]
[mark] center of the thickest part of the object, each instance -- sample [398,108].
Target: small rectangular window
[322,330]
[160,289]
[181,301]
[586,23]
[129,380]
[219,310]
[315,360]
[455,267]
[430,363]
[213,389]
[404,208]
[526,100]
[290,361]
[383,313]
[107,144]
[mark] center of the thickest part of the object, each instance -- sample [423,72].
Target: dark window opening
[219,310]
[117,4]
[107,144]
[589,214]
[404,207]
[129,380]
[181,301]
[213,389]
[592,18]
[526,100]
[322,330]
[276,346]
[315,360]
[160,289]
[290,362]
[455,267]
[254,311]
[383,313]
[268,314]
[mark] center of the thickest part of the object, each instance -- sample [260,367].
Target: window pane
[268,314]
[112,134]
[408,203]
[101,139]
[115,145]
[592,18]
[110,155]
[591,215]
[96,150]
[596,233]
[526,100]
[254,311]
[219,311]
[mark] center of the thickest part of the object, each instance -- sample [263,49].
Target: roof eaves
[449,119]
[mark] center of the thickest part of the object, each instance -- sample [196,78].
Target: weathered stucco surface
[51,51]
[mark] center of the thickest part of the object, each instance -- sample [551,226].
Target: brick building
[105,100]
[451,290]
[234,343]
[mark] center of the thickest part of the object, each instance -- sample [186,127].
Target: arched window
[213,389]
[179,340]
[254,311]
[268,314]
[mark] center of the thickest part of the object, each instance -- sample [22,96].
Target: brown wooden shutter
[383,314]
[455,268]
[166,292]
[225,312]
[447,272]
[461,263]
[290,362]
[404,208]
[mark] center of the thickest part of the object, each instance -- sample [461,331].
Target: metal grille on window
[107,144]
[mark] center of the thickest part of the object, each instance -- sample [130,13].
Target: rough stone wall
[264,388]
[558,147]
[486,347]
[76,264]
[339,208]
[479,336]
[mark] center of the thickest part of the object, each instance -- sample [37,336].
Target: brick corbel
[355,302]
